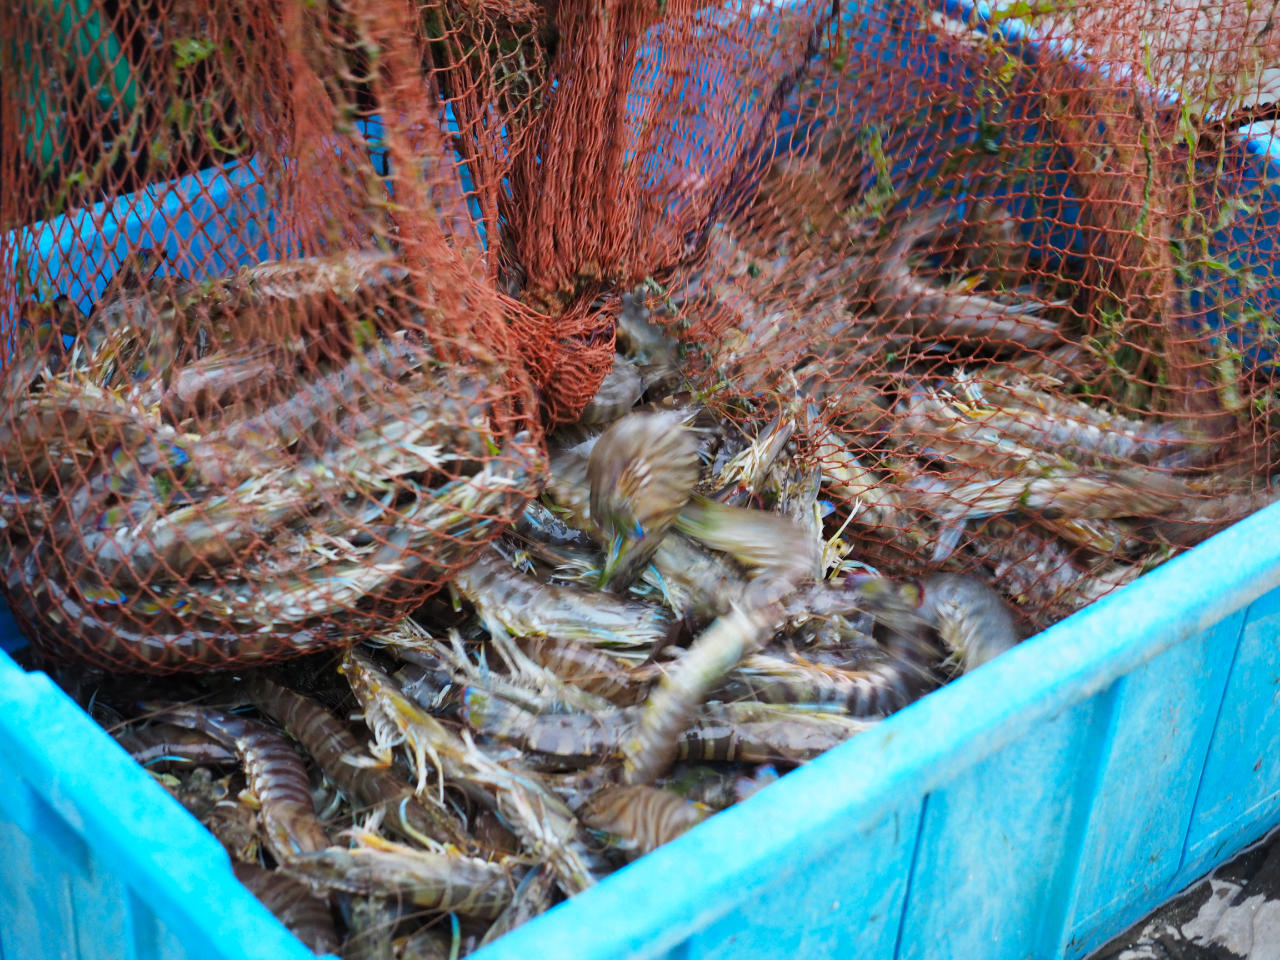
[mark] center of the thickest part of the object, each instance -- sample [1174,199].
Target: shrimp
[643,818]
[296,906]
[759,733]
[672,705]
[1027,410]
[878,690]
[512,602]
[446,518]
[585,666]
[1068,494]
[533,896]
[695,582]
[619,392]
[112,629]
[575,739]
[158,746]
[922,309]
[275,774]
[543,824]
[1040,573]
[641,472]
[746,470]
[777,548]
[234,823]
[444,881]
[335,748]
[970,618]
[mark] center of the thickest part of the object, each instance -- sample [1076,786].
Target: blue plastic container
[1033,808]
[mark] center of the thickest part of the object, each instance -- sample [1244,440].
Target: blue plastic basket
[1033,808]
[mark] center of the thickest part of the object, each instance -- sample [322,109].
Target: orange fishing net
[295,290]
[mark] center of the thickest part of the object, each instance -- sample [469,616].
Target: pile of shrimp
[683,608]
[661,633]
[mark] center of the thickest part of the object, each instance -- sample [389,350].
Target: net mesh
[294,291]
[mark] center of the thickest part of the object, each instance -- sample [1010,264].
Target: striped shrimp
[694,581]
[216,381]
[544,825]
[566,739]
[673,703]
[446,518]
[1041,574]
[878,690]
[641,472]
[716,787]
[275,775]
[113,630]
[1026,410]
[437,880]
[294,904]
[929,423]
[159,746]
[58,431]
[761,733]
[1208,513]
[923,309]
[585,666]
[511,602]
[643,818]
[1117,494]
[336,750]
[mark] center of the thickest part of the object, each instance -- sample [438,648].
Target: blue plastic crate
[1033,808]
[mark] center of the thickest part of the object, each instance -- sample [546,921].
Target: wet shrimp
[523,606]
[275,774]
[642,818]
[439,880]
[337,752]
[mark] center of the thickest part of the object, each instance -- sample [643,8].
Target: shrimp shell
[879,690]
[444,881]
[544,825]
[328,741]
[523,606]
[275,774]
[586,667]
[644,817]
[294,904]
[758,733]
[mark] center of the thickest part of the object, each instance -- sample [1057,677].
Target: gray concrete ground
[1232,914]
